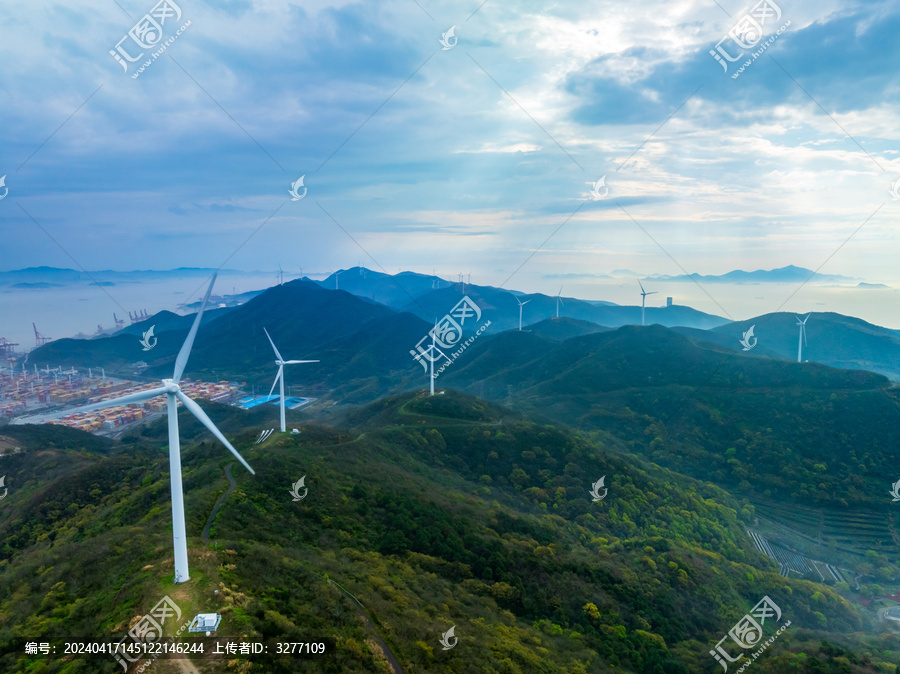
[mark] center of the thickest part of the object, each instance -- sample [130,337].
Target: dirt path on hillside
[215,509]
[187,666]
[388,653]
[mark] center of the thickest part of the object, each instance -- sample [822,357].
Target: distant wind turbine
[171,389]
[431,375]
[521,304]
[281,362]
[644,294]
[802,339]
[336,274]
[559,301]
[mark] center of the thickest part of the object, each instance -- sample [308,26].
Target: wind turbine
[802,339]
[431,377]
[644,294]
[521,304]
[281,362]
[171,389]
[336,274]
[559,301]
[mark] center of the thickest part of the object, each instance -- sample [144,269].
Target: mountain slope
[478,519]
[502,309]
[684,403]
[832,339]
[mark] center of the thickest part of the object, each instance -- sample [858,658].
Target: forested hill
[432,511]
[799,432]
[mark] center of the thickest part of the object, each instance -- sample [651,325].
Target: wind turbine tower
[802,339]
[431,374]
[172,390]
[559,301]
[281,362]
[644,294]
[521,304]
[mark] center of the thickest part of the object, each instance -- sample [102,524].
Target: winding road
[215,509]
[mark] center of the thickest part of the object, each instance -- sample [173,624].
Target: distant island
[789,274]
[36,285]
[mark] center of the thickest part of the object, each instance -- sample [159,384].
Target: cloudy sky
[477,158]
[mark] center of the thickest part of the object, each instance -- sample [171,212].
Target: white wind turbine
[559,301]
[802,339]
[281,362]
[644,294]
[173,393]
[431,374]
[521,304]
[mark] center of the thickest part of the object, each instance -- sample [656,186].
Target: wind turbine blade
[277,376]
[198,412]
[273,345]
[124,400]
[181,361]
[641,285]
[291,362]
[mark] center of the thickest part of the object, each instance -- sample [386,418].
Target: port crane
[39,338]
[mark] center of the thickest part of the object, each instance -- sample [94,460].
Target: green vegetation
[432,512]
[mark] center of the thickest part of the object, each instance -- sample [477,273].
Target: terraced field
[791,562]
[853,533]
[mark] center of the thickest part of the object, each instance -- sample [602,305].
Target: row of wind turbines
[559,302]
[644,293]
[172,390]
[170,387]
